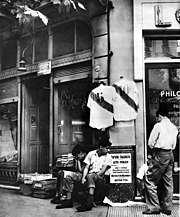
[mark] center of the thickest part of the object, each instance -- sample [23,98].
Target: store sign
[121,171]
[44,68]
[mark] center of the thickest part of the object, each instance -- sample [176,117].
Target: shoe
[65,204]
[85,207]
[150,212]
[55,200]
[166,211]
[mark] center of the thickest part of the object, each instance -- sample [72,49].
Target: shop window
[41,46]
[9,54]
[8,136]
[162,48]
[162,86]
[71,38]
[8,88]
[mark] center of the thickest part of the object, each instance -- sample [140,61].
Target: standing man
[97,164]
[162,141]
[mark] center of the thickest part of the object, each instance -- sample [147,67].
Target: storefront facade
[104,43]
[156,67]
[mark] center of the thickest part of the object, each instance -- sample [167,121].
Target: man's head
[162,111]
[104,146]
[79,152]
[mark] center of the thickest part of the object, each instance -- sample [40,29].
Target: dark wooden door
[36,125]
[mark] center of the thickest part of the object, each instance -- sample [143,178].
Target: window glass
[9,54]
[26,47]
[162,48]
[163,86]
[63,40]
[84,39]
[71,38]
[8,132]
[41,46]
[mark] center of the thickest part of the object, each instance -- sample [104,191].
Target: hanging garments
[126,104]
[100,102]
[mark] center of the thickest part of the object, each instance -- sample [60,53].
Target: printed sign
[121,171]
[44,68]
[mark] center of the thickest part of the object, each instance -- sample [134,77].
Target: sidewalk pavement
[13,204]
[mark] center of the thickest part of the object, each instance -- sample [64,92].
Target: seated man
[97,164]
[66,179]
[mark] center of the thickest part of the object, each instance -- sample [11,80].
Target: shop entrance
[162,86]
[71,124]
[35,155]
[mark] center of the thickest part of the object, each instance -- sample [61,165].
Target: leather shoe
[150,212]
[84,207]
[166,211]
[65,204]
[55,200]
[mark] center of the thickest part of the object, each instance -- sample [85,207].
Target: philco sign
[44,68]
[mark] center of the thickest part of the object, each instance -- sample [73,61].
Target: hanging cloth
[126,104]
[100,102]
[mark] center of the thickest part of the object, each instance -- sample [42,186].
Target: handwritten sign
[121,171]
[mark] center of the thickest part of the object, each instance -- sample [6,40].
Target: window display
[8,132]
[163,87]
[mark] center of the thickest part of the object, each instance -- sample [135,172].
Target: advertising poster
[121,168]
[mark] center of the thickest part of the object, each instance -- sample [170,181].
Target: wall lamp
[22,62]
[22,65]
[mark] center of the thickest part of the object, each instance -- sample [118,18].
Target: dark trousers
[159,170]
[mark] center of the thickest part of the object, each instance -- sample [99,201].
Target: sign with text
[121,168]
[44,68]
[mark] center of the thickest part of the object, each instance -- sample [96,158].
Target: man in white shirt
[97,164]
[162,141]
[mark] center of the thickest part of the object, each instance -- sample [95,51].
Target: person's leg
[68,189]
[155,171]
[59,184]
[91,180]
[152,177]
[167,189]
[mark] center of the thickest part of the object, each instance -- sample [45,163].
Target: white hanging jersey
[100,102]
[126,104]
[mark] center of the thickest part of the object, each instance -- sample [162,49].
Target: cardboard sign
[121,171]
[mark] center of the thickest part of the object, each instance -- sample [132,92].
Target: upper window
[71,38]
[38,43]
[155,47]
[9,54]
[41,46]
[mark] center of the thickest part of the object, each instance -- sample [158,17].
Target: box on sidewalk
[26,182]
[44,188]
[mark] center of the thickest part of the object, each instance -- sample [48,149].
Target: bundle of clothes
[65,160]
[9,157]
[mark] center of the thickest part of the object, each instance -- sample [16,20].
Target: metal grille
[84,67]
[136,211]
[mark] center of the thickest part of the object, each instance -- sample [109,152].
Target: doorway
[71,125]
[35,153]
[162,86]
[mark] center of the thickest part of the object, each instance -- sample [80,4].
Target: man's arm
[79,167]
[103,170]
[153,136]
[85,172]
